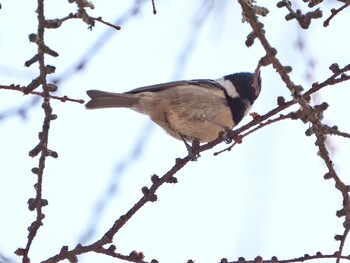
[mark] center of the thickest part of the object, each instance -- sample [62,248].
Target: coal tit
[189,110]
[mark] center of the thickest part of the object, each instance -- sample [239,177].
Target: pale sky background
[266,197]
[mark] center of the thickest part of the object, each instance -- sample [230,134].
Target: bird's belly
[203,128]
[200,116]
[202,133]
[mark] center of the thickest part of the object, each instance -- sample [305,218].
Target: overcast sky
[266,197]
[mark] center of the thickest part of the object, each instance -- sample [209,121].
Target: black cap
[244,83]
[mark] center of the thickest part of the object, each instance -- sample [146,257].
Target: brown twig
[304,20]
[239,138]
[332,80]
[42,94]
[304,258]
[99,19]
[334,131]
[134,256]
[154,7]
[38,202]
[270,51]
[81,14]
[256,79]
[334,12]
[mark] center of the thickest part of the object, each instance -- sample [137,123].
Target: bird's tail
[103,99]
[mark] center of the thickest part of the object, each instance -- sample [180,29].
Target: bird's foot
[192,150]
[225,135]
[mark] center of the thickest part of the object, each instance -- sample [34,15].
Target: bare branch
[304,20]
[334,12]
[274,259]
[51,87]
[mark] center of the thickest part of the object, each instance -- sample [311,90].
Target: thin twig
[334,12]
[42,94]
[240,137]
[154,7]
[99,19]
[134,256]
[304,20]
[304,258]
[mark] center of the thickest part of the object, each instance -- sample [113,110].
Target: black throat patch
[238,108]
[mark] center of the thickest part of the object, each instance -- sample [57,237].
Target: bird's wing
[206,83]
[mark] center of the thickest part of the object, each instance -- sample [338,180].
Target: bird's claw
[192,150]
[193,156]
[225,136]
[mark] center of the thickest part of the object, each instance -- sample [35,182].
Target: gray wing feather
[103,99]
[206,83]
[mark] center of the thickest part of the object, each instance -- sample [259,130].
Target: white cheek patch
[229,87]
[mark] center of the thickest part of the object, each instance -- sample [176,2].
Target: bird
[194,111]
